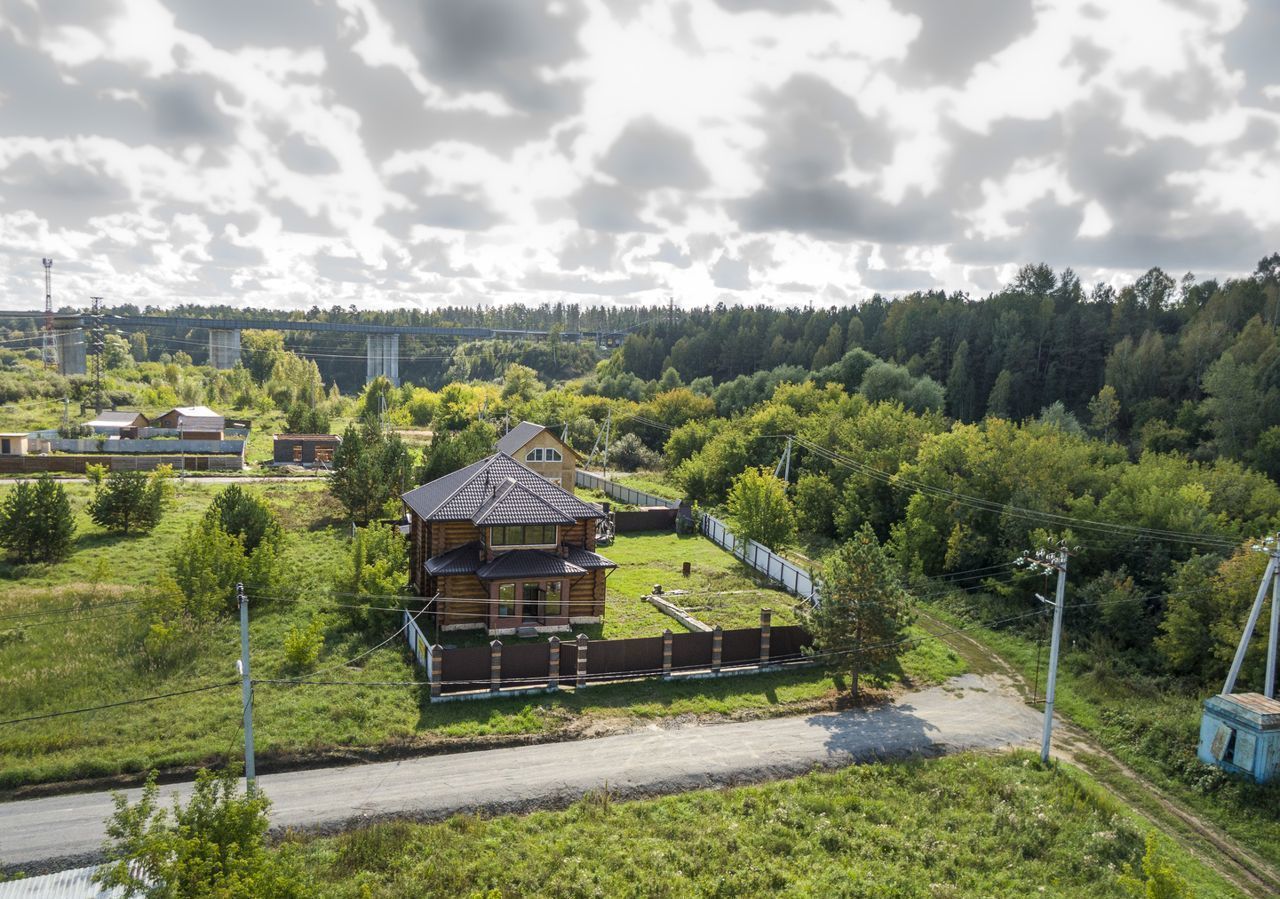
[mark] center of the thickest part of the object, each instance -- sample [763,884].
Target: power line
[124,702]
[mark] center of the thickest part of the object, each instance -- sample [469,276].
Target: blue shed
[1241,733]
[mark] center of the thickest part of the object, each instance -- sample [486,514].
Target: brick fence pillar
[717,647]
[766,622]
[495,666]
[667,640]
[437,669]
[581,680]
[553,665]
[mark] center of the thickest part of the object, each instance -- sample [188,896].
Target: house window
[297,452]
[543,455]
[523,535]
[324,454]
[553,599]
[506,600]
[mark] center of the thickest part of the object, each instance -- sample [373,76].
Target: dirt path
[1239,866]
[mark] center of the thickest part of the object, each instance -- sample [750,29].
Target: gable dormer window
[543,454]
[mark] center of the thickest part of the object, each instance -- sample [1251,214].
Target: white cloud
[721,149]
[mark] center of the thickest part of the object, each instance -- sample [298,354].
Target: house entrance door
[531,605]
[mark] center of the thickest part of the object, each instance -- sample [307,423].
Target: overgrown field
[71,637]
[1154,729]
[961,826]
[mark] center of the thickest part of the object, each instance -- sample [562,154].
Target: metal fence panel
[620,492]
[764,560]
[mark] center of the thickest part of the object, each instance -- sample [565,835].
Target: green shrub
[303,645]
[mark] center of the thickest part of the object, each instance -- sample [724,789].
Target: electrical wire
[116,705]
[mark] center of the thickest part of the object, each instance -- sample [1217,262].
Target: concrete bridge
[382,342]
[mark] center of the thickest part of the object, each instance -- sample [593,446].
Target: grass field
[61,648]
[962,826]
[1153,730]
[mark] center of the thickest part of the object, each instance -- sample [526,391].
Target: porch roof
[464,559]
[528,563]
[585,558]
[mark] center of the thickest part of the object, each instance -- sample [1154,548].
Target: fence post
[581,679]
[717,647]
[495,666]
[437,670]
[553,673]
[667,640]
[766,623]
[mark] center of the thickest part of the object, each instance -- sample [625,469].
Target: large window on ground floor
[538,600]
[523,535]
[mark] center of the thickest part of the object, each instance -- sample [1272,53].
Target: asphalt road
[970,712]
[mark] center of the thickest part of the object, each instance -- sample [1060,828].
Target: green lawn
[1153,729]
[962,826]
[61,648]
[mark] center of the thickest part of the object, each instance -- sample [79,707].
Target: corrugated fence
[621,492]
[794,580]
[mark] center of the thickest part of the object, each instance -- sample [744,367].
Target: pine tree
[36,524]
[863,617]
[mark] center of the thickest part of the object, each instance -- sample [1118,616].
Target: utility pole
[49,353]
[784,464]
[1270,546]
[1273,640]
[608,427]
[1045,561]
[96,345]
[246,690]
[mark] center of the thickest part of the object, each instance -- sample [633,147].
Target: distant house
[196,422]
[15,444]
[500,548]
[118,424]
[304,449]
[537,448]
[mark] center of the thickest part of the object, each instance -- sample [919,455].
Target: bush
[215,845]
[630,453]
[303,645]
[377,567]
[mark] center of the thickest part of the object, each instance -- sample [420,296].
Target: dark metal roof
[514,503]
[519,436]
[460,495]
[464,559]
[528,563]
[585,558]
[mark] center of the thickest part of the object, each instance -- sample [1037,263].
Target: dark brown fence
[655,519]
[468,669]
[689,651]
[786,643]
[465,668]
[741,646]
[525,664]
[636,657]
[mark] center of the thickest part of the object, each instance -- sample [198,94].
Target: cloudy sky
[418,152]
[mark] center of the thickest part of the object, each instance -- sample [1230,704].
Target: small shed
[15,444]
[196,419]
[1241,733]
[304,449]
[118,424]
